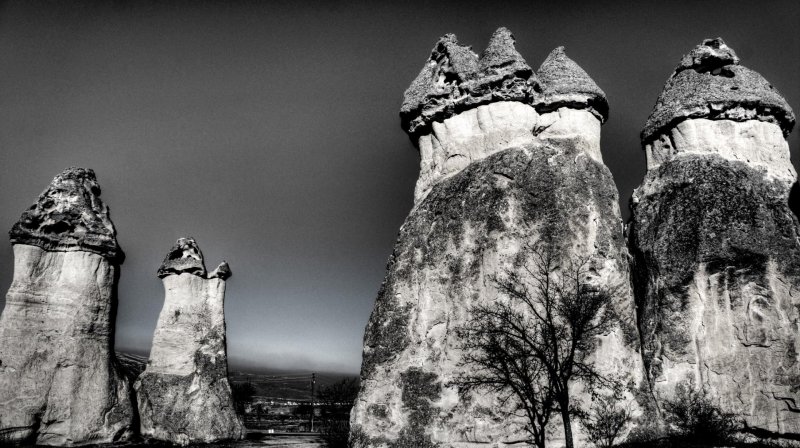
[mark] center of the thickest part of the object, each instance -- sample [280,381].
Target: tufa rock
[493,178]
[60,383]
[716,248]
[710,83]
[455,79]
[183,394]
[69,216]
[565,84]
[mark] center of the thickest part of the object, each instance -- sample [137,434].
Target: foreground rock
[184,395]
[59,381]
[507,158]
[717,258]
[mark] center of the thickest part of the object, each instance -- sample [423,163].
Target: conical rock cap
[710,83]
[565,83]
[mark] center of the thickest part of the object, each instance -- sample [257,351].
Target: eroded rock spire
[495,176]
[184,395]
[59,382]
[715,244]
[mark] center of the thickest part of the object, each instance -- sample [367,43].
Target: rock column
[507,158]
[184,395]
[716,247]
[59,382]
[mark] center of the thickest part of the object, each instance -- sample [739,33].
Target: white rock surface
[760,144]
[477,133]
[58,381]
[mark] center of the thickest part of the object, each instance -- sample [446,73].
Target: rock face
[184,395]
[496,173]
[59,379]
[715,245]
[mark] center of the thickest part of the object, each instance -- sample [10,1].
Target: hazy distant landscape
[274,399]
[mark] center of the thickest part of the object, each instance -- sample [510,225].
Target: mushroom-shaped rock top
[565,83]
[455,79]
[710,83]
[69,216]
[185,256]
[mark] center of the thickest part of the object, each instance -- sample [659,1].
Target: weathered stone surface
[709,83]
[184,395]
[565,84]
[69,215]
[59,379]
[455,79]
[493,178]
[717,256]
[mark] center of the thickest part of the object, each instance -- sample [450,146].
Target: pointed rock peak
[709,56]
[709,83]
[185,256]
[223,271]
[457,60]
[501,54]
[69,216]
[448,66]
[565,84]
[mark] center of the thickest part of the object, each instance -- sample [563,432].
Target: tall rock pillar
[507,158]
[716,247]
[184,395]
[59,382]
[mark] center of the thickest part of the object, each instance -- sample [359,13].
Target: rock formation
[184,395]
[507,158]
[59,381]
[715,245]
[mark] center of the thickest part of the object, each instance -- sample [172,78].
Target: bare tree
[693,416]
[531,343]
[337,400]
[607,421]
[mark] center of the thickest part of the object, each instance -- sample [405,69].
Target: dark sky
[269,131]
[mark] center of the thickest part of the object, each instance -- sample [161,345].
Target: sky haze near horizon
[269,131]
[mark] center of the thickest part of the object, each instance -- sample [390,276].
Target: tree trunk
[564,405]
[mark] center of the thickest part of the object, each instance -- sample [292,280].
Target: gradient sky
[269,131]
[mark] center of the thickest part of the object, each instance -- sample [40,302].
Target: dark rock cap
[70,216]
[185,256]
[455,79]
[710,83]
[223,271]
[565,83]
